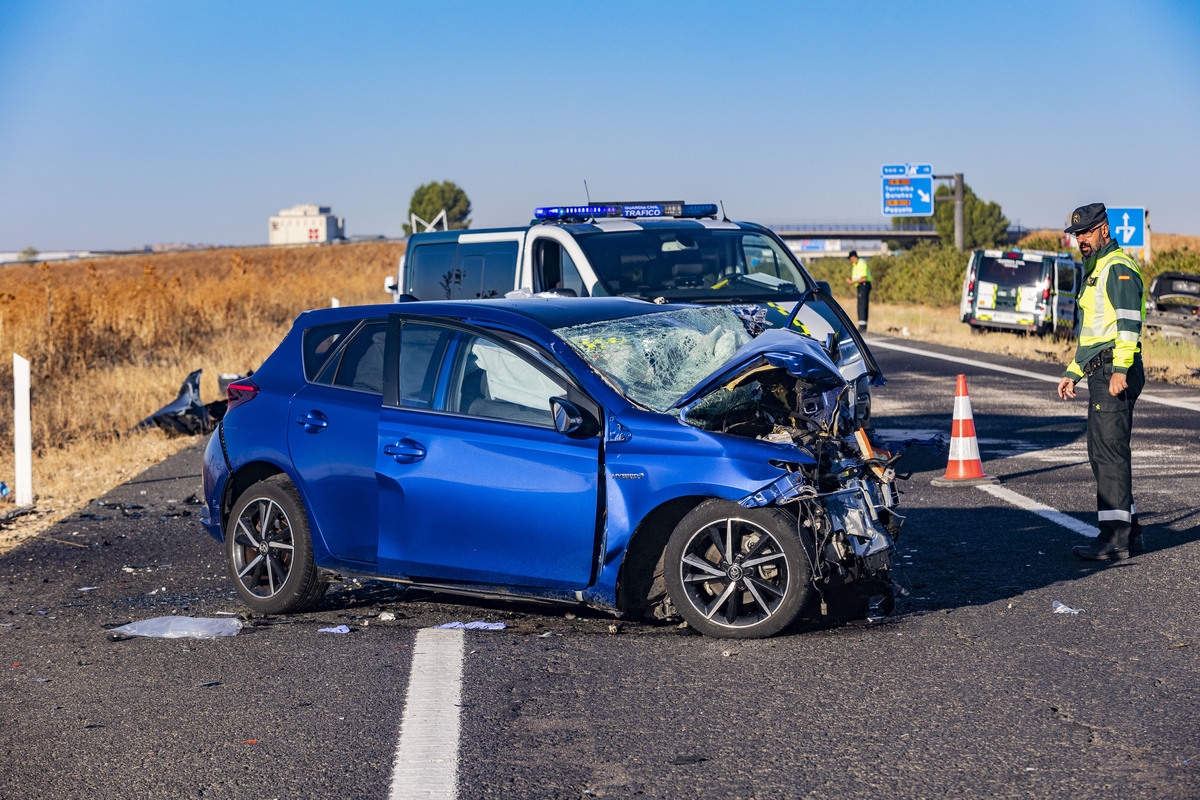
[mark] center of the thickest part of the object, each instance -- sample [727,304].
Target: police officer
[860,274]
[1112,307]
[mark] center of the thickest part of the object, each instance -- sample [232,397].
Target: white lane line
[427,755]
[1027,504]
[1189,404]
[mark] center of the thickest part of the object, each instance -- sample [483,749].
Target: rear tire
[268,549]
[738,573]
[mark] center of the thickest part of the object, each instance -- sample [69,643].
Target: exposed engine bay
[841,488]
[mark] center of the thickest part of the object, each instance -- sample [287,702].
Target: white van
[679,252]
[1021,290]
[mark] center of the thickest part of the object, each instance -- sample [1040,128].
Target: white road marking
[1189,404]
[427,755]
[1028,504]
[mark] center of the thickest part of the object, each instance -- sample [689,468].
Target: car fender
[646,473]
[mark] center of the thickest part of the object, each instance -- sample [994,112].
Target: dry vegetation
[111,340]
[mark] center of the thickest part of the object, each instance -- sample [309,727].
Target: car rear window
[1010,271]
[319,343]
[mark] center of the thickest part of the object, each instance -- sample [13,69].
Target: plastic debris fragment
[478,625]
[181,628]
[335,629]
[1060,608]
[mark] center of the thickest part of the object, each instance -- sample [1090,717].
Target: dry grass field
[111,340]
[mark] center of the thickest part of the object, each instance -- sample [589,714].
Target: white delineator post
[22,432]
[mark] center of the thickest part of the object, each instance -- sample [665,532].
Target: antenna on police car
[724,216]
[586,193]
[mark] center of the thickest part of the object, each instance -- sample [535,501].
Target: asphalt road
[974,688]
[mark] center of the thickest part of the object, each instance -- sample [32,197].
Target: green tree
[429,200]
[985,223]
[29,253]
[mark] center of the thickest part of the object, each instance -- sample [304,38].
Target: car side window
[493,381]
[320,341]
[556,271]
[1066,277]
[361,365]
[422,348]
[451,271]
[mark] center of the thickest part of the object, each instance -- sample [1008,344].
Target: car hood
[795,353]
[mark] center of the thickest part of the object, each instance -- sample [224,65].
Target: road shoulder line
[1188,405]
[1044,511]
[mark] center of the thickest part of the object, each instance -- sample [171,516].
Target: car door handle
[313,421]
[405,452]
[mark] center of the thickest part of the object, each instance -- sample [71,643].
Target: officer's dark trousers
[1110,421]
[864,301]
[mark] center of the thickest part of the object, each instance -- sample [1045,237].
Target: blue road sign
[1128,226]
[906,170]
[907,190]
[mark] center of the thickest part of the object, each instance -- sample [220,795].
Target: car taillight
[239,392]
[1046,291]
[971,285]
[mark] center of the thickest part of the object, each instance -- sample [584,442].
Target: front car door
[476,484]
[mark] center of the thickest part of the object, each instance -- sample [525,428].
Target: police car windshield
[1010,271]
[695,264]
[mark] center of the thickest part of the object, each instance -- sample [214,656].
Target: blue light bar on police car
[627,210]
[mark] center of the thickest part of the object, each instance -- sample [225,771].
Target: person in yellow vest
[1112,308]
[860,274]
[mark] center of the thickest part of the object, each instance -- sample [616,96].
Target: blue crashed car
[642,458]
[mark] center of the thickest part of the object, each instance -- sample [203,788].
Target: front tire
[268,549]
[738,573]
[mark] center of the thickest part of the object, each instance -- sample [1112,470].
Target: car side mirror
[824,287]
[569,419]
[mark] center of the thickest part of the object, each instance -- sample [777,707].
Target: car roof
[550,312]
[598,226]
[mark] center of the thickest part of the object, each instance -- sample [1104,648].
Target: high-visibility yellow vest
[1099,319]
[860,270]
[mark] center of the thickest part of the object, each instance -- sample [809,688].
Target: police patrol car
[680,252]
[1021,290]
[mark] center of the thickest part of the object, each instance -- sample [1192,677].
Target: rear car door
[331,438]
[476,484]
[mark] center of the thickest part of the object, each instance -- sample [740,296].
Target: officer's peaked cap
[1087,217]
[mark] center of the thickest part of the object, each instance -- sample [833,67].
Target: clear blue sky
[126,123]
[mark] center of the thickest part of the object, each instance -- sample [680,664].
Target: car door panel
[489,501]
[476,484]
[331,438]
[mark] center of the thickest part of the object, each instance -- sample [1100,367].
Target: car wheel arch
[242,479]
[639,581]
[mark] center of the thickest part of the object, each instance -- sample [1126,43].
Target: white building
[306,223]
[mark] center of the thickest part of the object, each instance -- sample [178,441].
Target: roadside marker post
[22,433]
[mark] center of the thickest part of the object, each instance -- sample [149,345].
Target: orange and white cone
[964,468]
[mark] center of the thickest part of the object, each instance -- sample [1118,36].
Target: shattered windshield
[693,264]
[655,358]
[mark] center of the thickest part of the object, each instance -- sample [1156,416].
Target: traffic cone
[964,467]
